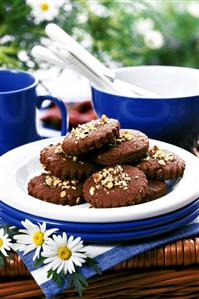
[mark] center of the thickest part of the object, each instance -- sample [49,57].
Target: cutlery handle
[43,54]
[68,59]
[58,34]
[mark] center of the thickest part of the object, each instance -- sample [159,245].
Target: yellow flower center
[38,238]
[1,242]
[64,253]
[44,6]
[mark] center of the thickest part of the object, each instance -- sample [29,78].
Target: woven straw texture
[168,271]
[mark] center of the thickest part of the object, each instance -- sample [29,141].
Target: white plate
[18,165]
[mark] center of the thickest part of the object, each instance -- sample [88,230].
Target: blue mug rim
[21,89]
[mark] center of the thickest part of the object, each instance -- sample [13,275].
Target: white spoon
[70,59]
[59,35]
[57,56]
[83,57]
[41,53]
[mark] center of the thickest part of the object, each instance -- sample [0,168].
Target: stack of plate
[178,207]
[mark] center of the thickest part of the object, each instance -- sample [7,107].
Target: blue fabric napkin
[108,256]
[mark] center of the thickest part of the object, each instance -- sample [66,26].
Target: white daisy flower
[193,9]
[4,242]
[63,254]
[154,39]
[32,237]
[44,10]
[143,25]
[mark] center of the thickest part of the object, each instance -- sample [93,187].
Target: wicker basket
[163,271]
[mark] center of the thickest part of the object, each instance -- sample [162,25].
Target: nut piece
[74,158]
[109,185]
[78,200]
[104,118]
[110,177]
[161,162]
[97,177]
[49,181]
[92,191]
[63,194]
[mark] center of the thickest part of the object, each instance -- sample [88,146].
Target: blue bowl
[171,117]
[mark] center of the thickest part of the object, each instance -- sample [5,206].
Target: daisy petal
[60,268]
[3,251]
[24,239]
[49,259]
[76,261]
[71,267]
[28,248]
[74,242]
[37,251]
[56,264]
[50,232]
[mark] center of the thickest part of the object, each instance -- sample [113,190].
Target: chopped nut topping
[58,149]
[125,135]
[147,158]
[113,176]
[97,177]
[74,158]
[49,181]
[157,154]
[92,191]
[54,182]
[63,194]
[161,162]
[109,185]
[78,200]
[104,118]
[169,157]
[81,131]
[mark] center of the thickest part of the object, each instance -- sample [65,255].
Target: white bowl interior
[166,81]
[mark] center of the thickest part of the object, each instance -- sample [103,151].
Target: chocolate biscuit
[115,186]
[64,165]
[54,190]
[91,135]
[155,190]
[161,165]
[130,146]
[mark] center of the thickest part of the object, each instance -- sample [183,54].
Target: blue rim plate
[102,227]
[22,163]
[124,236]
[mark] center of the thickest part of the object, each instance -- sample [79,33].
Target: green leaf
[2,261]
[57,278]
[70,281]
[50,273]
[78,281]
[39,261]
[82,279]
[79,287]
[93,264]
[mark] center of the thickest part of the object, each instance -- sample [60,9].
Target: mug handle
[62,107]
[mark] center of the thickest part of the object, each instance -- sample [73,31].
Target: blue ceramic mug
[18,103]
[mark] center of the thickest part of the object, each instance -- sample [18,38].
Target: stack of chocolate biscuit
[104,165]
